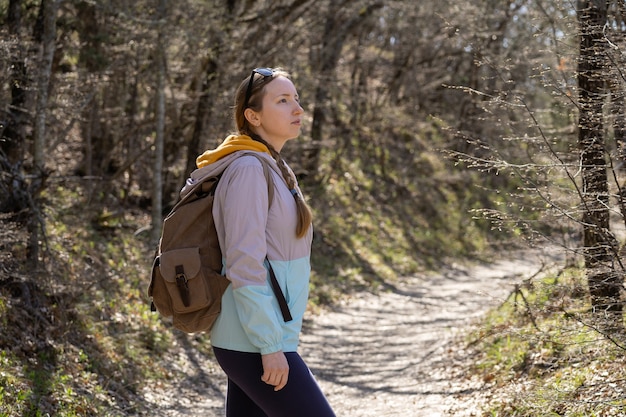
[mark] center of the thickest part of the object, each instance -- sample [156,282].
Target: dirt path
[391,354]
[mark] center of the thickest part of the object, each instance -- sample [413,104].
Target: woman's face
[281,116]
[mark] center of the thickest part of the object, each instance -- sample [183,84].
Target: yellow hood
[232,143]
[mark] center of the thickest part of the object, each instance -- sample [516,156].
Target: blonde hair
[255,102]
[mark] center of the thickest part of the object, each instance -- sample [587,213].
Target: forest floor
[398,352]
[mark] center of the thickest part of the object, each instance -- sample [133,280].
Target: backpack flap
[183,275]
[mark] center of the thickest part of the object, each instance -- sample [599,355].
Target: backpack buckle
[181,283]
[181,278]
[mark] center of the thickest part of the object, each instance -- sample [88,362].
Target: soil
[396,353]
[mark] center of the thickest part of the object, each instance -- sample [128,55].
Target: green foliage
[101,342]
[548,355]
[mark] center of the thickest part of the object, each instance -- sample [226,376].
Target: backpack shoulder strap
[282,301]
[199,181]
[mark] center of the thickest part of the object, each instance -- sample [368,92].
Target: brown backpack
[186,282]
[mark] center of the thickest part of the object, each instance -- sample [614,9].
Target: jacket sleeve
[244,215]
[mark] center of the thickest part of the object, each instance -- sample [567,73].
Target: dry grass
[543,353]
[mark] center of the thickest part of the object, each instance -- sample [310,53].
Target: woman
[252,342]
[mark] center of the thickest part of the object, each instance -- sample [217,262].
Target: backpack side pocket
[158,292]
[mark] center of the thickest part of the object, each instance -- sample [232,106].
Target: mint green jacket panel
[251,320]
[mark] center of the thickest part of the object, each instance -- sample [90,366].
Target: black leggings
[248,396]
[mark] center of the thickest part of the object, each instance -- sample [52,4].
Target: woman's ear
[252,117]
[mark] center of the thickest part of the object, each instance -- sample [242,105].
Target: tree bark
[48,45]
[618,111]
[618,99]
[46,29]
[157,190]
[14,133]
[600,245]
[203,111]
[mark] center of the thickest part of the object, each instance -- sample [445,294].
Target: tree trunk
[203,110]
[47,31]
[14,133]
[157,190]
[600,246]
[48,45]
[618,99]
[15,196]
[618,110]
[88,58]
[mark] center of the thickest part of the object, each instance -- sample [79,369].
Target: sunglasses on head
[264,72]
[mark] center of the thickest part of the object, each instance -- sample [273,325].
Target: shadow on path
[198,393]
[389,354]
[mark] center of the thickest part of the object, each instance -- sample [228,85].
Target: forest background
[435,131]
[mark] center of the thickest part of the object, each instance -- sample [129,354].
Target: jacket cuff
[271,349]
